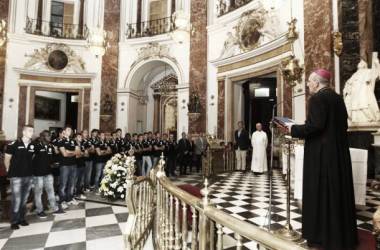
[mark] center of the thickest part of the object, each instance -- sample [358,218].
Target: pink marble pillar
[318,41]
[198,61]
[110,62]
[221,101]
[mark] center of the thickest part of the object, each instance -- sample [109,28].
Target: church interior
[166,124]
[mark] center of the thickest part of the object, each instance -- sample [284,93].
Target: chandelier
[182,27]
[3,32]
[96,42]
[271,5]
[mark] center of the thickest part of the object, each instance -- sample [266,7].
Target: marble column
[318,40]
[230,110]
[4,5]
[157,113]
[198,61]
[110,63]
[221,102]
[376,37]
[21,109]
[86,108]
[351,43]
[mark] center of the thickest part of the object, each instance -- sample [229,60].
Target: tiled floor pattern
[86,226]
[93,225]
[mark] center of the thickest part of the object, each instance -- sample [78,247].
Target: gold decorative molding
[256,59]
[337,42]
[40,60]
[152,51]
[54,79]
[248,29]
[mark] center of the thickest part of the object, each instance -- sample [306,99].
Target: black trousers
[3,187]
[199,162]
[170,165]
[184,162]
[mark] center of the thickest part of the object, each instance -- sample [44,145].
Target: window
[62,18]
[158,9]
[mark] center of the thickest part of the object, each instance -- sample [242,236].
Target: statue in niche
[359,96]
[108,105]
[195,105]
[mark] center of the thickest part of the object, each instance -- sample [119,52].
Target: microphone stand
[271,164]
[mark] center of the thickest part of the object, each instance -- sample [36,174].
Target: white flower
[120,189]
[125,185]
[118,175]
[122,196]
[110,192]
[114,167]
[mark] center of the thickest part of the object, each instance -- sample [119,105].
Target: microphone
[286,100]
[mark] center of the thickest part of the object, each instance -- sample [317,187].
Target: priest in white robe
[259,150]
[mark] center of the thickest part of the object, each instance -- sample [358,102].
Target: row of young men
[74,159]
[148,148]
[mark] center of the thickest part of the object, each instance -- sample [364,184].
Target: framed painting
[46,108]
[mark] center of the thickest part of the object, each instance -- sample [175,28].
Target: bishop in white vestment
[259,150]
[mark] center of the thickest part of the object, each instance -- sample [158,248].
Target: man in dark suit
[241,146]
[184,148]
[328,214]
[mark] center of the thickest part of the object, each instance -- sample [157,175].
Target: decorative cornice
[55,74]
[152,51]
[279,42]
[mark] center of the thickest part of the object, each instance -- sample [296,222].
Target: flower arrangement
[117,170]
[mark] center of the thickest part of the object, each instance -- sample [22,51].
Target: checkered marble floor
[92,225]
[246,196]
[85,226]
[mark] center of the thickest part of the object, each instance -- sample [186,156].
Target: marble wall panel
[365,30]
[221,114]
[318,41]
[21,109]
[110,63]
[4,5]
[198,61]
[86,109]
[351,43]
[376,37]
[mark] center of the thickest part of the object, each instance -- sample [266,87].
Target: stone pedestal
[364,140]
[377,161]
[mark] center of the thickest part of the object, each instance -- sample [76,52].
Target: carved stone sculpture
[359,96]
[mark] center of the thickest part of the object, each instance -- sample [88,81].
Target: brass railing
[181,219]
[141,206]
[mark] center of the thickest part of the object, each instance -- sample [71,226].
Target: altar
[359,159]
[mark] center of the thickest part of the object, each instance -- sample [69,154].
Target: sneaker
[92,187]
[59,212]
[23,223]
[73,202]
[15,226]
[64,205]
[42,215]
[81,196]
[87,191]
[57,198]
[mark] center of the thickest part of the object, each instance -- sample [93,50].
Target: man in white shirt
[259,143]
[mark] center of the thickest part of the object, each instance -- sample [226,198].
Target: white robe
[259,152]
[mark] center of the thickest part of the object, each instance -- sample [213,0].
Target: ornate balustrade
[140,200]
[226,6]
[56,30]
[181,219]
[149,28]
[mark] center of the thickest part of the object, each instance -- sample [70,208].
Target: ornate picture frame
[248,30]
[46,108]
[57,60]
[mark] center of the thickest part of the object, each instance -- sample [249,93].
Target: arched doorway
[147,94]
